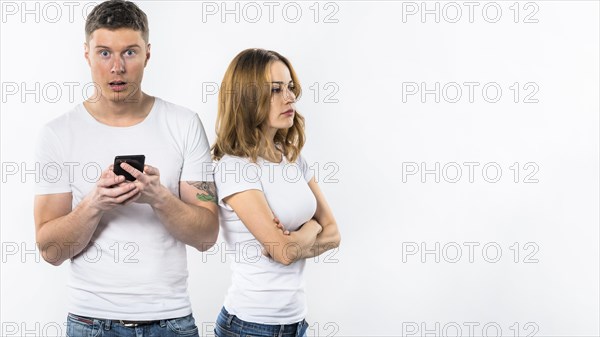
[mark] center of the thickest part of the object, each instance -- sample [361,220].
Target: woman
[272,212]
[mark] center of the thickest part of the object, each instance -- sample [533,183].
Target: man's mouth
[118,85]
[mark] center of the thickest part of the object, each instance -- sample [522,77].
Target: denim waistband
[109,322]
[232,321]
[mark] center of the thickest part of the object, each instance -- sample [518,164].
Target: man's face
[117,59]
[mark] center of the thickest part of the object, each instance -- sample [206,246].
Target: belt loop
[300,327]
[107,324]
[281,329]
[163,323]
[229,319]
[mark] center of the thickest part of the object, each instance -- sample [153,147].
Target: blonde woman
[273,214]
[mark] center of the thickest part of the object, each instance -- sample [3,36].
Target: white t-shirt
[263,290]
[133,269]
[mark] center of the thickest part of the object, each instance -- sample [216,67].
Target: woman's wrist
[316,225]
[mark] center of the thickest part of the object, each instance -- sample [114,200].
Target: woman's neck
[271,152]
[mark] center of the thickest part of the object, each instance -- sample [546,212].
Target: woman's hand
[307,234]
[280,226]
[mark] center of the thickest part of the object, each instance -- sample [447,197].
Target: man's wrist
[87,206]
[162,198]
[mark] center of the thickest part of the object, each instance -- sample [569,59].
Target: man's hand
[111,190]
[150,190]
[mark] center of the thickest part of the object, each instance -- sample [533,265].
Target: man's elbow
[53,259]
[51,252]
[207,242]
[210,236]
[203,247]
[284,260]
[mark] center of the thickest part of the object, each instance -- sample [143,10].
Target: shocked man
[124,233]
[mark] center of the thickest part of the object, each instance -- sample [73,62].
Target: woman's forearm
[328,239]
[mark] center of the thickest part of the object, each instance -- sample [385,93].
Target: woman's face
[281,114]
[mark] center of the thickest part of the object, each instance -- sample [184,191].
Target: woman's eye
[276,90]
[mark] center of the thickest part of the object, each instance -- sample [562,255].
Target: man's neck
[128,112]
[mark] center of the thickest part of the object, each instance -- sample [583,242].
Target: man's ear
[86,53]
[147,54]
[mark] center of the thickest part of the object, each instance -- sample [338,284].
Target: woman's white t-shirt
[263,290]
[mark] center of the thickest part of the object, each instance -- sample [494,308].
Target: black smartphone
[136,161]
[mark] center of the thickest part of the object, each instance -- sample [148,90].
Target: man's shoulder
[65,120]
[173,110]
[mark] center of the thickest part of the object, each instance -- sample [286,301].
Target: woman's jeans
[230,326]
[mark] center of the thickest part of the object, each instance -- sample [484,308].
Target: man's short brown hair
[115,14]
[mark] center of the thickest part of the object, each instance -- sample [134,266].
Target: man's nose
[118,66]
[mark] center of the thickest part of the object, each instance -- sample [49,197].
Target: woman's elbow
[337,239]
[289,254]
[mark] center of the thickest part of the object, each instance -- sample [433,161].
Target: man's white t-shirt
[133,269]
[263,290]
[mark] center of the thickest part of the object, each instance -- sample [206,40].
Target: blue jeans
[78,326]
[230,326]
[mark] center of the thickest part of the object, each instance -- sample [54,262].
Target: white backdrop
[457,143]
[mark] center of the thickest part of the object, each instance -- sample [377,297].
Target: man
[125,239]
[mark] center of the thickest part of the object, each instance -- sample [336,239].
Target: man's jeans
[78,326]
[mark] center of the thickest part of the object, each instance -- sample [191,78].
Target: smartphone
[136,161]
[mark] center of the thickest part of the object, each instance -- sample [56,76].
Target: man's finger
[116,192]
[150,170]
[132,170]
[128,198]
[132,199]
[109,181]
[108,172]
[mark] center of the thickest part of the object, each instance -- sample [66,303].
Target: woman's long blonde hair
[244,105]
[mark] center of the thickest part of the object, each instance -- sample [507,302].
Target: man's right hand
[112,190]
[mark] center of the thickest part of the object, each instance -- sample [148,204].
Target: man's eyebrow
[128,47]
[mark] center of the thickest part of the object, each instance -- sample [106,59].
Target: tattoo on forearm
[209,189]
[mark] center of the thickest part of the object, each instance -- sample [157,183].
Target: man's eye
[130,52]
[104,53]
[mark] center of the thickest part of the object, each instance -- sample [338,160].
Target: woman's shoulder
[230,160]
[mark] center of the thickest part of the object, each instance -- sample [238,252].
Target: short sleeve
[197,163]
[234,175]
[306,171]
[53,174]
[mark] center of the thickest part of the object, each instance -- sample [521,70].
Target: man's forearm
[193,225]
[63,238]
